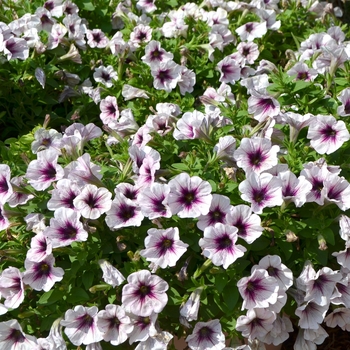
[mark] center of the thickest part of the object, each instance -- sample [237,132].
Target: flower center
[17,336]
[224,242]
[205,333]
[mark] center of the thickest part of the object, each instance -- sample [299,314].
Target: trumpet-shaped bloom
[153,201]
[189,197]
[81,325]
[262,106]
[92,202]
[114,324]
[251,30]
[42,275]
[105,75]
[144,327]
[40,248]
[311,315]
[12,337]
[154,54]
[261,191]
[344,97]
[256,154]
[5,184]
[327,134]
[65,228]
[248,224]
[111,275]
[124,212]
[219,207]
[163,247]
[206,335]
[229,69]
[258,290]
[44,170]
[144,294]
[109,110]
[63,195]
[11,287]
[165,75]
[219,245]
[256,324]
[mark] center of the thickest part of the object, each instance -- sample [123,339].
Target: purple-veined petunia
[206,335]
[262,106]
[219,207]
[12,337]
[81,325]
[261,190]
[165,75]
[40,248]
[65,228]
[189,197]
[5,184]
[144,294]
[258,290]
[92,201]
[44,170]
[123,213]
[42,275]
[153,201]
[219,245]
[114,324]
[163,247]
[248,224]
[144,327]
[327,134]
[11,287]
[256,154]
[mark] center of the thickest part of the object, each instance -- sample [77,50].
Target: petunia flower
[258,290]
[105,75]
[81,325]
[206,335]
[189,197]
[327,134]
[111,275]
[92,201]
[248,224]
[256,154]
[279,333]
[96,38]
[5,184]
[339,317]
[11,287]
[229,69]
[159,341]
[301,71]
[219,207]
[144,327]
[12,337]
[163,247]
[189,310]
[251,31]
[219,245]
[109,110]
[155,54]
[46,139]
[153,201]
[337,191]
[114,324]
[44,170]
[65,228]
[262,105]
[256,324]
[42,275]
[320,288]
[123,213]
[40,248]
[311,315]
[144,294]
[261,191]
[344,97]
[165,75]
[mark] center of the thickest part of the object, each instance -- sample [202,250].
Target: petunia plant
[172,173]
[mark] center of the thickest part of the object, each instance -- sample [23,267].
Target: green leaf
[88,6]
[78,295]
[88,278]
[328,235]
[220,282]
[300,85]
[180,166]
[50,297]
[230,295]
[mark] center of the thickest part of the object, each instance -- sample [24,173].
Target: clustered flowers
[206,187]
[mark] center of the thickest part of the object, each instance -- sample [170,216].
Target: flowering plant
[190,178]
